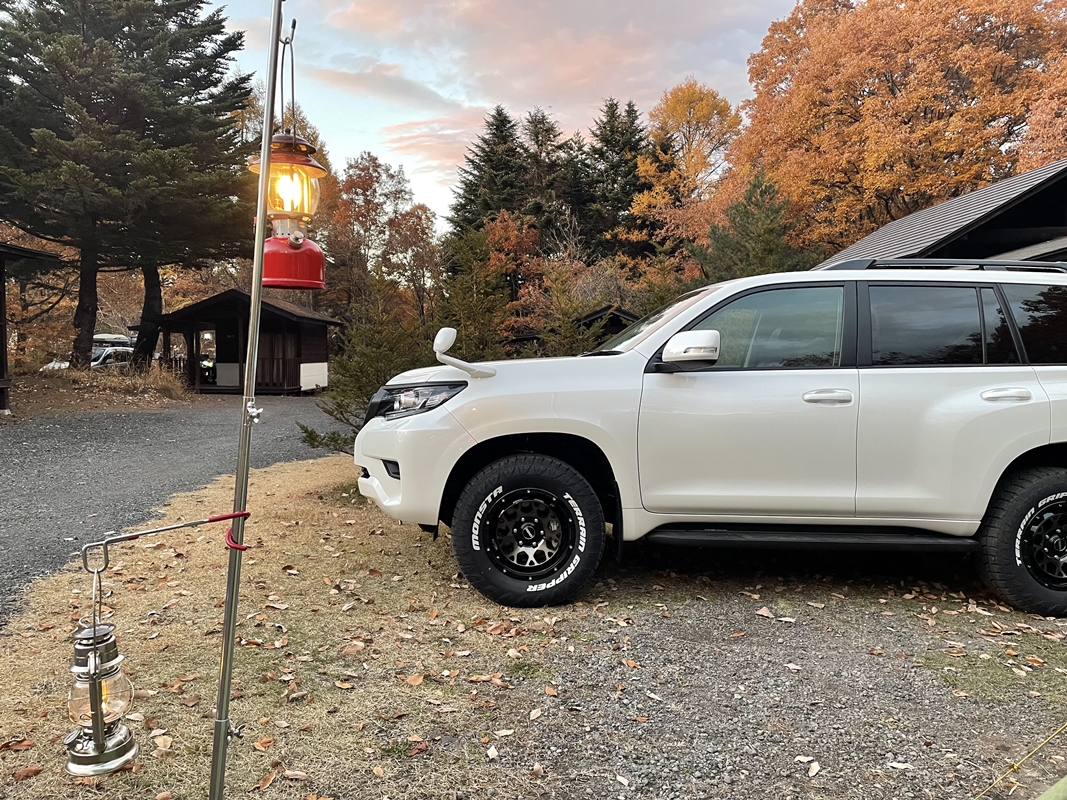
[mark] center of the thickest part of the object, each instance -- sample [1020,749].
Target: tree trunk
[85,313]
[151,310]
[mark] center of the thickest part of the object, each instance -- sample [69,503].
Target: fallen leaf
[163,742]
[191,700]
[622,780]
[492,753]
[793,667]
[551,691]
[537,771]
[379,772]
[265,781]
[28,772]
[414,680]
[737,635]
[787,619]
[535,714]
[813,769]
[876,652]
[502,734]
[342,685]
[900,765]
[295,775]
[765,612]
[263,743]
[164,796]
[816,605]
[513,653]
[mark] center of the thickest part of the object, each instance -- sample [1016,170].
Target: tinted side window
[999,347]
[799,327]
[916,325]
[1041,315]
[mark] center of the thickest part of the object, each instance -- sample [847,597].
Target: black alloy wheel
[533,532]
[1043,545]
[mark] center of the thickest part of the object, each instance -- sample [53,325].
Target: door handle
[1016,394]
[828,397]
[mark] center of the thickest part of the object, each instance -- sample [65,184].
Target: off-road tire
[520,509]
[1023,502]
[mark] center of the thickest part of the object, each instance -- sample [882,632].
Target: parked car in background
[912,404]
[111,351]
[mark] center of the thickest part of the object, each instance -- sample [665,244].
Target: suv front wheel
[1024,541]
[528,530]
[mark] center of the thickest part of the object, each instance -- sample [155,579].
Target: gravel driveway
[68,479]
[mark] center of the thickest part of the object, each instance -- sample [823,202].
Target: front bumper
[425,447]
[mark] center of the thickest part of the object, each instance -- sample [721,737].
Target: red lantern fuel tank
[293,262]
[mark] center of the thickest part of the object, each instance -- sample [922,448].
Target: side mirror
[445,338]
[692,346]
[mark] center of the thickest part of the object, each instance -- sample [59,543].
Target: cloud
[386,82]
[438,143]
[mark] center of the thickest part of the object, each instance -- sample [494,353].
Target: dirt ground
[367,668]
[50,393]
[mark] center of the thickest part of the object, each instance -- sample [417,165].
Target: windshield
[655,319]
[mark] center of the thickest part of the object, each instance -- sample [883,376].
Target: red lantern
[290,259]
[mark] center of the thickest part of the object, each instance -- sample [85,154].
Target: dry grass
[87,390]
[365,662]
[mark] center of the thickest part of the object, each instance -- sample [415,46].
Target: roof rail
[995,264]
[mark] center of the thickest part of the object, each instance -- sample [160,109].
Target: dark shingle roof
[923,232]
[280,307]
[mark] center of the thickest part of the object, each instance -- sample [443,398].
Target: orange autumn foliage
[866,112]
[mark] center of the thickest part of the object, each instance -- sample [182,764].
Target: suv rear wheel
[528,530]
[1024,541]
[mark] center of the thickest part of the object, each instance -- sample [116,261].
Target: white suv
[897,404]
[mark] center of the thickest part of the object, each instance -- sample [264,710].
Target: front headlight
[402,401]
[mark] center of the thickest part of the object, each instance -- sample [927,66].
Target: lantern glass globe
[116,692]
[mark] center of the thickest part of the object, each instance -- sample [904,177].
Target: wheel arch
[577,451]
[1047,455]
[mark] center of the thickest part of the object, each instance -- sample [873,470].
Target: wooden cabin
[292,345]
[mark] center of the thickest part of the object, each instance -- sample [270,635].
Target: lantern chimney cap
[288,148]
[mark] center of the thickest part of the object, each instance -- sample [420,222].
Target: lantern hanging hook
[287,47]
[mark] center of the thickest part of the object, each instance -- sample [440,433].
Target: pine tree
[756,238]
[492,179]
[116,136]
[544,152]
[618,138]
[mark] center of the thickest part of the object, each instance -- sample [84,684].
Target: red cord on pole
[231,543]
[233,515]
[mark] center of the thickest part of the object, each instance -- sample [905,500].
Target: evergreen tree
[117,137]
[492,178]
[618,138]
[543,147]
[475,297]
[756,238]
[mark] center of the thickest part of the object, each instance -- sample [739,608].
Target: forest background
[125,133]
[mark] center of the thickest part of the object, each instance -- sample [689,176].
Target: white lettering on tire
[581,522]
[540,587]
[475,543]
[1019,533]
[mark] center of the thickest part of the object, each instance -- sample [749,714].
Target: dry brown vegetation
[361,650]
[87,390]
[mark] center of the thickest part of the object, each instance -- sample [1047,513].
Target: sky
[412,80]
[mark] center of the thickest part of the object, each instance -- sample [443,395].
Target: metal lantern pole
[224,731]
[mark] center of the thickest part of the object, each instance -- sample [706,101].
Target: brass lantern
[99,697]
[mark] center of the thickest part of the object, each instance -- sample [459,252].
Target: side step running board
[850,539]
